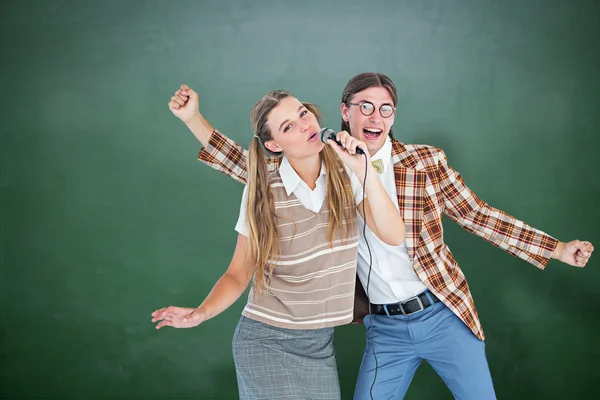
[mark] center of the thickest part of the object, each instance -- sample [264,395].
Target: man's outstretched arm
[218,151]
[501,229]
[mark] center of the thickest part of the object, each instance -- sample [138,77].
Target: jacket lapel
[410,186]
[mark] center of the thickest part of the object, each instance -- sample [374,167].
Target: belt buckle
[418,301]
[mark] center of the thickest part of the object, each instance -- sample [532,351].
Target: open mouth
[372,133]
[313,137]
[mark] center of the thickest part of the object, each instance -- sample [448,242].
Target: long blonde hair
[262,221]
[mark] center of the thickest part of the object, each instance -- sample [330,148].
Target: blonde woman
[298,243]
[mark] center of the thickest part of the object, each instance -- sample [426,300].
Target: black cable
[369,279]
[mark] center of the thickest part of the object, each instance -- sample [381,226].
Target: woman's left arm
[377,209]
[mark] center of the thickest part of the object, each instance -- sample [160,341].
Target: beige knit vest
[312,284]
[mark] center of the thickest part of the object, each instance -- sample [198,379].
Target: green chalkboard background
[106,215]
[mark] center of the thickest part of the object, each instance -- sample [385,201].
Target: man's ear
[272,146]
[344,110]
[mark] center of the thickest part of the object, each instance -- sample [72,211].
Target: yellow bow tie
[378,165]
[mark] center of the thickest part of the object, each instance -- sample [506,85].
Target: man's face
[374,128]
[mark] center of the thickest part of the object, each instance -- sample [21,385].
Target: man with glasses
[420,304]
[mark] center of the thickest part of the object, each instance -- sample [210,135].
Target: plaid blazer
[427,188]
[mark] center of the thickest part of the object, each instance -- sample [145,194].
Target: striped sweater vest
[312,283]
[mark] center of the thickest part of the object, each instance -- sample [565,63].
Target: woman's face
[294,129]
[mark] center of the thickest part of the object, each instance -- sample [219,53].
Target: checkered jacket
[427,188]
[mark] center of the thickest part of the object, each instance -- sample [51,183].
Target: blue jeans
[434,334]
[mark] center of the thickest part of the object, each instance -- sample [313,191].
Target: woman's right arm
[218,151]
[231,285]
[226,291]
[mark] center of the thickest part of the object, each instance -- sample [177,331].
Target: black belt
[408,307]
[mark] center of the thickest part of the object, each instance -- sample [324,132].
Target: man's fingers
[582,253]
[583,246]
[188,92]
[192,94]
[178,99]
[185,90]
[587,246]
[580,258]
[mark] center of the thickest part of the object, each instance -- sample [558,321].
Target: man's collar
[384,153]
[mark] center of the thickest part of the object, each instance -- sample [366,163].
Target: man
[421,306]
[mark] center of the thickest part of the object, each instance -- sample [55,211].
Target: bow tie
[378,165]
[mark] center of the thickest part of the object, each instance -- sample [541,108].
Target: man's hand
[575,253]
[184,104]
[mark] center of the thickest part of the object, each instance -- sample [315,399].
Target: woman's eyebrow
[287,120]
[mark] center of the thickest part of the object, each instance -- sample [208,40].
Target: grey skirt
[277,363]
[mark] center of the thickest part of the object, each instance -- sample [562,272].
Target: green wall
[106,215]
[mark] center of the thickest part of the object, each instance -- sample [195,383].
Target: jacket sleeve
[230,158]
[493,225]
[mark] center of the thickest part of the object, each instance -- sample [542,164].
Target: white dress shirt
[392,276]
[311,199]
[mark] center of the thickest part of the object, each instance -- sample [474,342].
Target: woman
[298,242]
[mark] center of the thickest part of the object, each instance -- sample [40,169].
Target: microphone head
[325,133]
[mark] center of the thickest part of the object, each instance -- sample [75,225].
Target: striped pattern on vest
[312,284]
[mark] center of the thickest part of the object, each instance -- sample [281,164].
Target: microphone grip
[327,133]
[358,149]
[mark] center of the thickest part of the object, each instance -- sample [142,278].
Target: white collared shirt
[392,276]
[311,199]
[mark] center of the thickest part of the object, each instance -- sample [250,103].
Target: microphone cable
[369,279]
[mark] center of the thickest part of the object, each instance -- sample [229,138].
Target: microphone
[328,133]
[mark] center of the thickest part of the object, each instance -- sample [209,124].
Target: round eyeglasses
[367,108]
